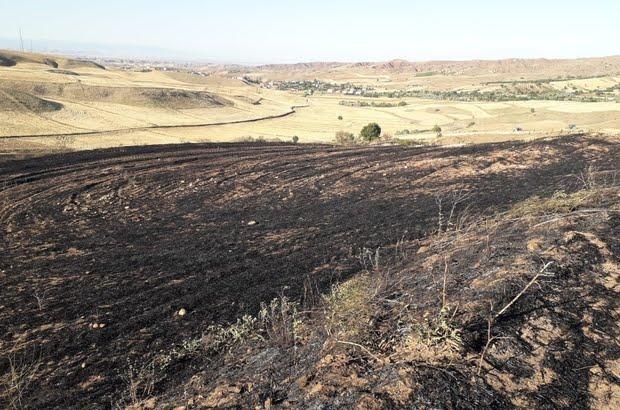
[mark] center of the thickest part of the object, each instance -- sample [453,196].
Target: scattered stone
[182,312]
[150,403]
[252,223]
[302,382]
[535,245]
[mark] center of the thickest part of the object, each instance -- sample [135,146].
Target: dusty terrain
[476,267]
[55,102]
[121,271]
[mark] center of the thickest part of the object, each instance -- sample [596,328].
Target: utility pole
[21,40]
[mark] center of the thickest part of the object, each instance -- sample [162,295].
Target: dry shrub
[220,338]
[344,138]
[280,321]
[349,308]
[249,138]
[277,322]
[16,381]
[140,379]
[559,203]
[436,339]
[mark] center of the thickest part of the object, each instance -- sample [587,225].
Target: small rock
[252,223]
[302,382]
[182,312]
[422,249]
[101,325]
[535,245]
[83,365]
[95,325]
[150,403]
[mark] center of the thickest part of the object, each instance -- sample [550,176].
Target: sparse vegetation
[16,380]
[559,203]
[436,339]
[349,309]
[65,141]
[407,131]
[344,138]
[382,104]
[250,138]
[426,74]
[140,378]
[407,277]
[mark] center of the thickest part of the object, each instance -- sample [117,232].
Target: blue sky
[295,30]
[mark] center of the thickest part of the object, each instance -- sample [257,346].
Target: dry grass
[14,384]
[280,321]
[435,339]
[140,378]
[559,203]
[122,101]
[349,308]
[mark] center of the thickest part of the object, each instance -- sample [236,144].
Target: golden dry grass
[114,107]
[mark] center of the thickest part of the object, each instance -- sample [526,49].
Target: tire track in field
[128,236]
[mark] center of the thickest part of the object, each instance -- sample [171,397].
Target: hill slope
[576,67]
[312,276]
[9,58]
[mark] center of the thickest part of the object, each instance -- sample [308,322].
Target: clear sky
[325,30]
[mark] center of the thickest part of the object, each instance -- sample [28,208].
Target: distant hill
[10,58]
[576,67]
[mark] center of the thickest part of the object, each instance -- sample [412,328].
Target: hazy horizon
[243,32]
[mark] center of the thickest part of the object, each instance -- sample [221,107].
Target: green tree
[370,132]
[437,130]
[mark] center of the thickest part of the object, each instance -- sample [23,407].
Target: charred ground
[128,237]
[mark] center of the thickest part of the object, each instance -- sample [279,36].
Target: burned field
[101,250]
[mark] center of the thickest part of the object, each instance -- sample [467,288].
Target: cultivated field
[195,238]
[115,266]
[55,103]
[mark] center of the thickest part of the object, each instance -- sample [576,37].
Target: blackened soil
[127,237]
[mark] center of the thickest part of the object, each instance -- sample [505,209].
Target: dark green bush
[370,132]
